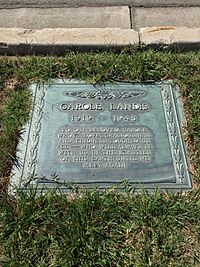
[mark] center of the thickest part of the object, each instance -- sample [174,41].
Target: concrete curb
[171,37]
[19,41]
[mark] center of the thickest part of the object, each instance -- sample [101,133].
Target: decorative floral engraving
[173,134]
[34,139]
[105,95]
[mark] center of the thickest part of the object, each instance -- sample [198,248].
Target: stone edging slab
[18,41]
[184,38]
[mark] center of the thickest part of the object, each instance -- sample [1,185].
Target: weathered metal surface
[100,136]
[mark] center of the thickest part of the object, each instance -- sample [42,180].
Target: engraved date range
[115,118]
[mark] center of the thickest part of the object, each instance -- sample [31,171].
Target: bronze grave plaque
[100,136]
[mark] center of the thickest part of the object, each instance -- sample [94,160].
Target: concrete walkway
[78,3]
[36,26]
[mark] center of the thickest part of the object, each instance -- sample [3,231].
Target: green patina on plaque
[100,136]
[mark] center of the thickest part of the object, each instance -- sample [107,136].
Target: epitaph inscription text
[105,147]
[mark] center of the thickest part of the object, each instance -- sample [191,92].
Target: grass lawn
[92,228]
